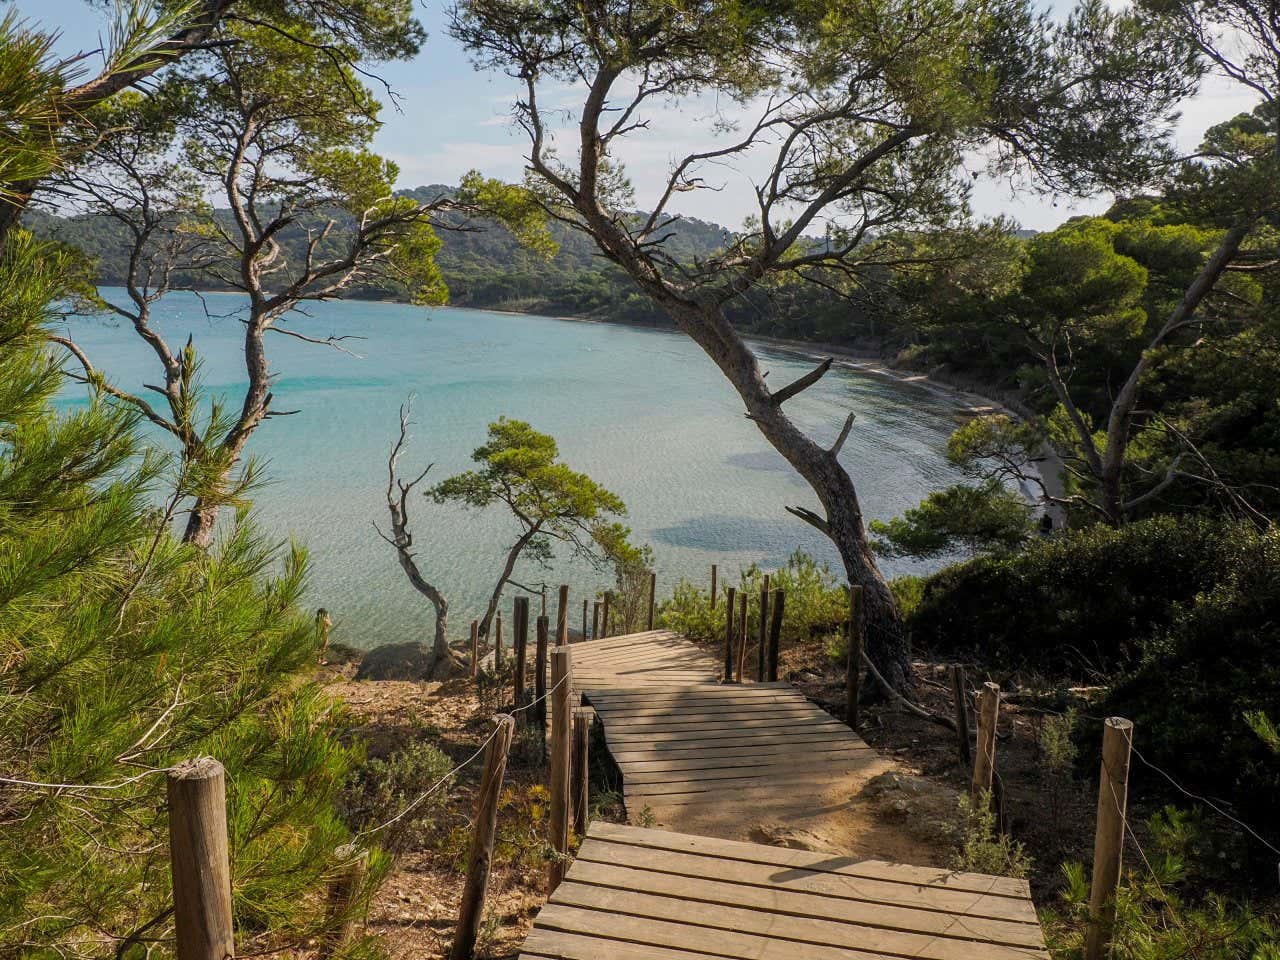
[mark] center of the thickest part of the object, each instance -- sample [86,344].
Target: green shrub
[908,591]
[816,603]
[387,786]
[980,847]
[1203,680]
[1080,604]
[1155,918]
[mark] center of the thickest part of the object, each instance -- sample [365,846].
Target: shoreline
[970,398]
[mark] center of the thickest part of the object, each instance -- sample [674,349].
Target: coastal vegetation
[145,620]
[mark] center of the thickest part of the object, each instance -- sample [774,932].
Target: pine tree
[123,652]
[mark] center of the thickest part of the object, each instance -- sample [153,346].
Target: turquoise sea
[642,411]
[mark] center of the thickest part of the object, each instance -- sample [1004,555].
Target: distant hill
[484,265]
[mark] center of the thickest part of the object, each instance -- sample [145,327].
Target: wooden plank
[675,747]
[715,759]
[801,933]
[840,891]
[557,945]
[809,860]
[779,766]
[801,905]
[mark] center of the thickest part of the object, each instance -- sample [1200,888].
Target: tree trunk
[508,568]
[821,468]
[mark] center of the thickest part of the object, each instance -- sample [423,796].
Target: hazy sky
[453,119]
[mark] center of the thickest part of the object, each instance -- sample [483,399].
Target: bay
[644,412]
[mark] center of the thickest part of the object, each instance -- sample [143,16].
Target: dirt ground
[906,813]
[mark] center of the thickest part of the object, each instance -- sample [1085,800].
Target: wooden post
[481,859]
[604,617]
[853,670]
[728,635]
[540,674]
[984,764]
[775,632]
[475,647]
[959,693]
[595,620]
[561,718]
[761,655]
[199,859]
[742,636]
[562,616]
[653,596]
[584,618]
[324,623]
[520,645]
[342,891]
[1108,841]
[497,644]
[583,717]
[713,586]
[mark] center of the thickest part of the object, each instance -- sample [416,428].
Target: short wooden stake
[520,644]
[595,620]
[1108,841]
[960,694]
[198,856]
[729,634]
[853,669]
[742,636]
[775,632]
[653,596]
[984,764]
[579,766]
[562,616]
[342,892]
[497,644]
[475,647]
[540,674]
[324,623]
[714,571]
[584,618]
[762,650]
[604,617]
[481,858]
[561,719]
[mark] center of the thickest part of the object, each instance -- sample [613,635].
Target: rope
[116,785]
[430,791]
[1164,773]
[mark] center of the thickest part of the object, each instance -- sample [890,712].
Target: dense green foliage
[977,519]
[816,603]
[1081,604]
[123,652]
[1201,678]
[1160,912]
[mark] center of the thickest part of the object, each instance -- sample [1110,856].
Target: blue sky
[453,119]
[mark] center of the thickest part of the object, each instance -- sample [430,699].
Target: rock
[395,661]
[778,835]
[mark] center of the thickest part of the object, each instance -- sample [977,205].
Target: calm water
[643,412]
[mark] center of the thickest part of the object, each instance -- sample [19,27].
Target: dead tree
[442,659]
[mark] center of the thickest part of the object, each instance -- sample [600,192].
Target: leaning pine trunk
[821,468]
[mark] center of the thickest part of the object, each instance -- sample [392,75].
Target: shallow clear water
[644,412]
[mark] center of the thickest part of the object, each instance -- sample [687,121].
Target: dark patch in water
[764,536]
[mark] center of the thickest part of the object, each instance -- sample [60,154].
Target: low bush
[1078,605]
[1159,916]
[816,603]
[1200,680]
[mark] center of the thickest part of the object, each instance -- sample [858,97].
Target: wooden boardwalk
[704,757]
[706,761]
[637,894]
